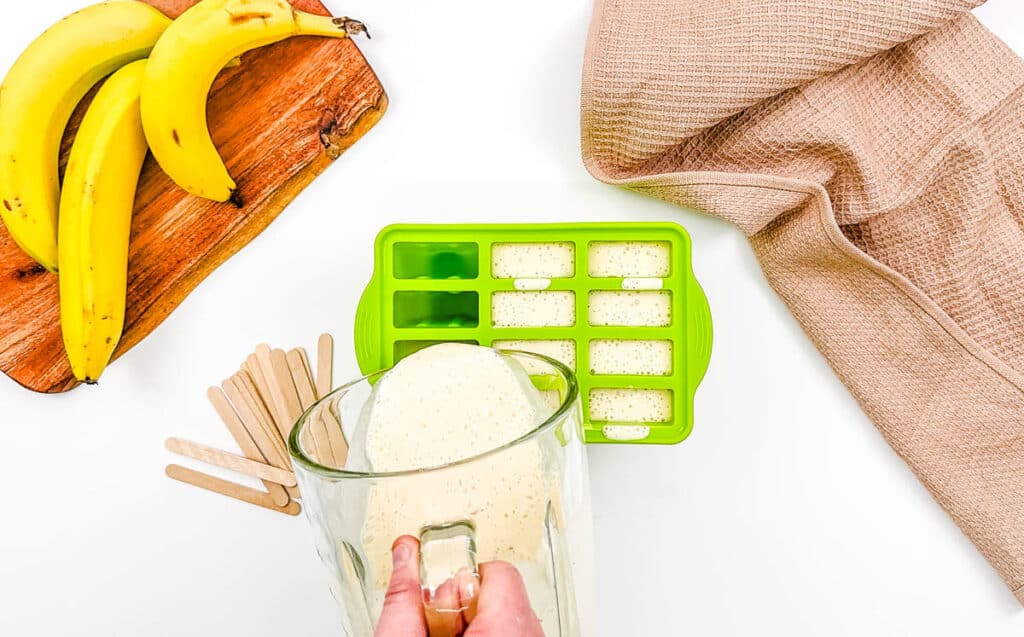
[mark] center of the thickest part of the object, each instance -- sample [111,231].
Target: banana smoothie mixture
[443,404]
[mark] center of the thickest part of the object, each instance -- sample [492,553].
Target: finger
[468,584]
[402,615]
[444,618]
[504,606]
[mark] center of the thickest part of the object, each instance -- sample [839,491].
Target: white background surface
[784,514]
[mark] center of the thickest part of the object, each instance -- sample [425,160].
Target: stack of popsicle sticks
[260,405]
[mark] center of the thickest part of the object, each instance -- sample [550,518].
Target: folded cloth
[873,153]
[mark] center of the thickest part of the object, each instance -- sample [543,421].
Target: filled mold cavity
[563,351]
[556,260]
[626,433]
[630,358]
[630,259]
[533,309]
[630,308]
[437,261]
[408,348]
[436,309]
[629,406]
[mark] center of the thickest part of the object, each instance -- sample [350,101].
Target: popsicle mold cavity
[630,259]
[631,308]
[563,351]
[436,261]
[436,309]
[626,432]
[631,358]
[404,349]
[555,260]
[631,405]
[533,309]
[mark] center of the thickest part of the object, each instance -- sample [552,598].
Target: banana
[37,99]
[95,219]
[181,71]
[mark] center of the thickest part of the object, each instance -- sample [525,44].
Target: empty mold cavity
[533,260]
[631,358]
[533,309]
[563,351]
[436,260]
[408,348]
[631,405]
[625,259]
[630,308]
[436,309]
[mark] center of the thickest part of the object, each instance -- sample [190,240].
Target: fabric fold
[873,152]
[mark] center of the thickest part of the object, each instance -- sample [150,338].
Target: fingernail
[400,555]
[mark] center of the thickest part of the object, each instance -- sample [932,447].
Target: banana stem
[352,27]
[310,24]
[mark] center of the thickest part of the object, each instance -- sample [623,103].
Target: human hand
[503,608]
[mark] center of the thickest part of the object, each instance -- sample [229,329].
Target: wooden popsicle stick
[283,376]
[265,437]
[230,489]
[245,442]
[275,395]
[252,367]
[301,377]
[226,460]
[324,384]
[260,408]
[324,365]
[323,441]
[339,446]
[283,387]
[307,396]
[309,371]
[240,389]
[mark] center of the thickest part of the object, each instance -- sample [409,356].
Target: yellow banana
[183,66]
[36,101]
[95,219]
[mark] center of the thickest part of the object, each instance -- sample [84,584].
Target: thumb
[402,615]
[504,605]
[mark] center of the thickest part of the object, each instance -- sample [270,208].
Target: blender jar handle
[449,576]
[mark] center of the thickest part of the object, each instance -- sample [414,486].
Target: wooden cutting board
[278,120]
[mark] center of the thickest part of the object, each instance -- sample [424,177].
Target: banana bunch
[159,77]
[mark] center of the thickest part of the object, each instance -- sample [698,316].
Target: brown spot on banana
[8,205]
[175,136]
[241,18]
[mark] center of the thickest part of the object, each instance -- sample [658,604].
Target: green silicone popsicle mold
[436,283]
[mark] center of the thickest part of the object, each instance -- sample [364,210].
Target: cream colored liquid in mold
[628,405]
[447,403]
[629,259]
[640,358]
[630,309]
[533,309]
[533,260]
[563,351]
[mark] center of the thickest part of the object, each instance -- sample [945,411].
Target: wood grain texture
[231,461]
[245,442]
[279,120]
[230,489]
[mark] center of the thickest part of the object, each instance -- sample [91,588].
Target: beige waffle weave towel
[873,152]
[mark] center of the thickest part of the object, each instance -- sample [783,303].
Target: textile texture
[873,153]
